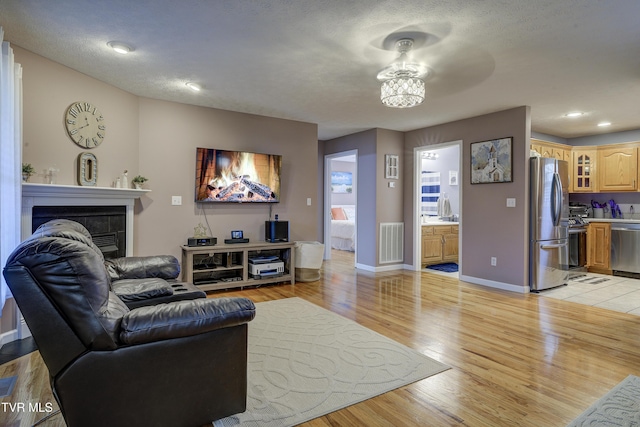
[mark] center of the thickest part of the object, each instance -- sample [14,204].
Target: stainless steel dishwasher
[625,247]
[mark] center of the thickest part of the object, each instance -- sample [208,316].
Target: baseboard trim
[380,268]
[475,280]
[9,336]
[497,285]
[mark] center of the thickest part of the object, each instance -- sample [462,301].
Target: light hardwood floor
[516,360]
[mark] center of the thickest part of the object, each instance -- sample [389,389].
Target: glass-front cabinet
[583,175]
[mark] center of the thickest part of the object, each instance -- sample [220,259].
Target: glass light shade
[402,92]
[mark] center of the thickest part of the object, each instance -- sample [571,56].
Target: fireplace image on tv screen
[237,176]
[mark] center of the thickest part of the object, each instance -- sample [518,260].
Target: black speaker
[276,231]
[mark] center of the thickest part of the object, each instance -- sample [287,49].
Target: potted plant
[27,171]
[138,181]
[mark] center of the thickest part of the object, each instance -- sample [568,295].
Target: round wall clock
[87,169]
[85,124]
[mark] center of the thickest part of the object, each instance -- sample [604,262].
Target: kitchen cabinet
[431,246]
[450,245]
[439,244]
[617,168]
[551,149]
[541,148]
[605,168]
[599,247]
[583,170]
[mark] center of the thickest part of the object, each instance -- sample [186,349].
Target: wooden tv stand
[227,266]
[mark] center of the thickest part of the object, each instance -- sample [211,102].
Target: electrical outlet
[494,261]
[511,202]
[176,200]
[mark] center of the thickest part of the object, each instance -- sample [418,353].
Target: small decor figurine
[124,182]
[27,171]
[51,174]
[138,181]
[200,231]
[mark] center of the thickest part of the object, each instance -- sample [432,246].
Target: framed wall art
[392,168]
[492,161]
[341,182]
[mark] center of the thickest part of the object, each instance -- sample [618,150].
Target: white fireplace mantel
[75,195]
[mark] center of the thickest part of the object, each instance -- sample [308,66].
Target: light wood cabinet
[431,246]
[599,247]
[439,244]
[605,168]
[551,149]
[227,266]
[617,168]
[450,245]
[583,170]
[536,147]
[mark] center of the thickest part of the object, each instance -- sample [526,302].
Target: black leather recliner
[182,363]
[150,280]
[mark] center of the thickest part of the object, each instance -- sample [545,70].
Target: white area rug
[619,407]
[305,361]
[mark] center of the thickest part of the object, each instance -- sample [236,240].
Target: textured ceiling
[316,60]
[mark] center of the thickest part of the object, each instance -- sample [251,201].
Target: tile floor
[611,292]
[599,290]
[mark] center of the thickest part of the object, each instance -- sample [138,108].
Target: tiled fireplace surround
[107,213]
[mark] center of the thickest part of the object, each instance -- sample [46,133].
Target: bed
[343,227]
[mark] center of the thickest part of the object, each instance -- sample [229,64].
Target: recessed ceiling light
[194,86]
[574,114]
[120,47]
[603,124]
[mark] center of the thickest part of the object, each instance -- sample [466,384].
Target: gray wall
[609,138]
[365,143]
[376,201]
[599,139]
[488,227]
[158,139]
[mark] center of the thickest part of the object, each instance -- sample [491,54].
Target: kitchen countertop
[440,222]
[616,220]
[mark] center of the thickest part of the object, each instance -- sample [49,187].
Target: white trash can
[309,256]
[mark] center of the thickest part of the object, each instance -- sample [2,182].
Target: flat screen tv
[224,176]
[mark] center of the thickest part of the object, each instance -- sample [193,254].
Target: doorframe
[417,224]
[327,199]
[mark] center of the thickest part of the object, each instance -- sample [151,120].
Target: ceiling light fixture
[429,155]
[194,86]
[574,114]
[402,83]
[120,47]
[603,124]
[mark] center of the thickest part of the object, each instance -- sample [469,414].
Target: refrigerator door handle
[554,246]
[556,199]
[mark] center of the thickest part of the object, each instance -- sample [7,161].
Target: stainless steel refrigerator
[548,223]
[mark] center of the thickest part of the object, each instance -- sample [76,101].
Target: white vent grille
[391,242]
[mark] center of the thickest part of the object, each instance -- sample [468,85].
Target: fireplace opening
[107,224]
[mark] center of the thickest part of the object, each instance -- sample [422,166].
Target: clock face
[85,124]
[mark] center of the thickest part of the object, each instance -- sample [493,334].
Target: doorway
[438,173]
[340,203]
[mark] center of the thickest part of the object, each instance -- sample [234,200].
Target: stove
[577,222]
[579,210]
[578,236]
